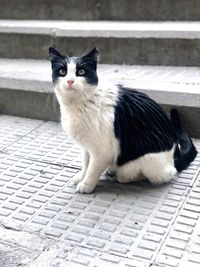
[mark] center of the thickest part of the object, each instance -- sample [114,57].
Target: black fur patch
[141,126]
[89,66]
[58,62]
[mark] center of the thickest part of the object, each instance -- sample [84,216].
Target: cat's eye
[62,72]
[81,72]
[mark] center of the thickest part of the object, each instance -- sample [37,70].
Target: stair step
[101,9]
[139,43]
[26,89]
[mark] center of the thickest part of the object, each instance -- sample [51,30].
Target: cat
[119,129]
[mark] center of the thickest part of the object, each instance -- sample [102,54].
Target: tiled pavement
[45,223]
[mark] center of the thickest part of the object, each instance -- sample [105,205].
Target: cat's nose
[70,82]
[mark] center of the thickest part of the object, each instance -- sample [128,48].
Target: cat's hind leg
[160,176]
[129,172]
[159,169]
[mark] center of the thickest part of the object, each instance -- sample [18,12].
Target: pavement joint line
[41,161]
[67,166]
[193,180]
[192,237]
[2,151]
[77,168]
[172,223]
[175,218]
[42,122]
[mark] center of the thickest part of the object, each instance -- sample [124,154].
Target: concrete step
[139,43]
[101,9]
[26,89]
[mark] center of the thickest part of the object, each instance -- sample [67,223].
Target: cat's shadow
[110,184]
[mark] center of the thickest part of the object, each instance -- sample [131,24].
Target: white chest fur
[90,122]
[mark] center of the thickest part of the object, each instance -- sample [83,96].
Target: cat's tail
[185,152]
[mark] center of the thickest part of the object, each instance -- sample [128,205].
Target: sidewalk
[45,223]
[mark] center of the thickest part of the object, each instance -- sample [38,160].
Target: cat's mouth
[70,87]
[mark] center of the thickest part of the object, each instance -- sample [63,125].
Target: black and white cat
[118,128]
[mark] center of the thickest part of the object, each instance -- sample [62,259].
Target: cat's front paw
[83,187]
[77,178]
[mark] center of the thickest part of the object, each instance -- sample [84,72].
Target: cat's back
[140,111]
[140,125]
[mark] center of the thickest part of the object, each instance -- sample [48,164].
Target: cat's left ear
[53,53]
[94,54]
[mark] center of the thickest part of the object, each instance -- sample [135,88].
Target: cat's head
[74,76]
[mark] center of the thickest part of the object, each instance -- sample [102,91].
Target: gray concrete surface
[101,9]
[155,43]
[45,223]
[26,88]
[115,29]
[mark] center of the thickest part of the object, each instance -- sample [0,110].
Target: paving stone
[116,225]
[48,143]
[182,244]
[15,128]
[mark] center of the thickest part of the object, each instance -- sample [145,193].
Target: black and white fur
[118,128]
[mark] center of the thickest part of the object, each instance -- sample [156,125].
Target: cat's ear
[53,53]
[94,53]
